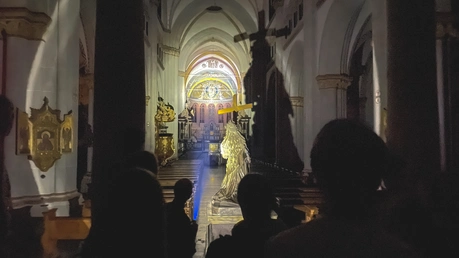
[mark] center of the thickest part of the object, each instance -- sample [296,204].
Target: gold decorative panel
[43,136]
[211,90]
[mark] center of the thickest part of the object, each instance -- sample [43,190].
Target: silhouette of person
[349,161]
[131,222]
[140,159]
[6,118]
[181,232]
[256,199]
[45,144]
[143,159]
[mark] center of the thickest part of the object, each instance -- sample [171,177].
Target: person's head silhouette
[183,189]
[349,161]
[255,196]
[132,217]
[143,159]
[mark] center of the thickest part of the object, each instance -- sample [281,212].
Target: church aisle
[210,181]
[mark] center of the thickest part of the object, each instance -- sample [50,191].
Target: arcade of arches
[301,63]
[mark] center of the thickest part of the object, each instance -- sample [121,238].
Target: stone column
[311,107]
[446,45]
[333,95]
[42,61]
[379,37]
[119,90]
[412,131]
[87,98]
[172,87]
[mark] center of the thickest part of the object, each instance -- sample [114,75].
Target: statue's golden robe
[233,148]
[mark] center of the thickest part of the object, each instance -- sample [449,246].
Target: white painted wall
[37,69]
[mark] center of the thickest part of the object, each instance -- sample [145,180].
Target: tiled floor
[210,181]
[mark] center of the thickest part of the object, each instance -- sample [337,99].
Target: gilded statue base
[223,214]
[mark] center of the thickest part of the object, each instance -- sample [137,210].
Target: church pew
[168,176]
[62,228]
[296,200]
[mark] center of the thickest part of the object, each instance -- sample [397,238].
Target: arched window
[202,113]
[228,115]
[211,112]
[195,113]
[220,117]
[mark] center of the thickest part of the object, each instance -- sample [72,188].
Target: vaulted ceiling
[200,26]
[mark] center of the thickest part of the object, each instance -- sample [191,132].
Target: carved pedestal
[164,148]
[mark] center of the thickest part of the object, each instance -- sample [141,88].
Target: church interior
[92,81]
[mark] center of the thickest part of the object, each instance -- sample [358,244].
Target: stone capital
[445,25]
[168,50]
[278,3]
[23,23]
[334,81]
[296,101]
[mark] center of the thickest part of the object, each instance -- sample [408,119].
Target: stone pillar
[42,61]
[297,122]
[333,95]
[447,44]
[379,37]
[412,116]
[172,87]
[87,98]
[119,90]
[311,103]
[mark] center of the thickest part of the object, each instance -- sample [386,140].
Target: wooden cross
[235,107]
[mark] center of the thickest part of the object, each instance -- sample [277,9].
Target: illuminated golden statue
[164,112]
[233,148]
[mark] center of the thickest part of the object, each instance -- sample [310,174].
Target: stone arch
[337,32]
[88,29]
[220,41]
[213,55]
[360,94]
[180,19]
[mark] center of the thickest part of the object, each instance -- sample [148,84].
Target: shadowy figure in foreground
[256,198]
[142,159]
[349,161]
[132,219]
[6,123]
[181,232]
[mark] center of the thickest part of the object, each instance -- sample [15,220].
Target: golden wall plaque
[43,136]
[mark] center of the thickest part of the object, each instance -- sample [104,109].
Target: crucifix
[235,108]
[262,31]
[261,56]
[255,82]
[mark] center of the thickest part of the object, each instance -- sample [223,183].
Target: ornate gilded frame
[43,136]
